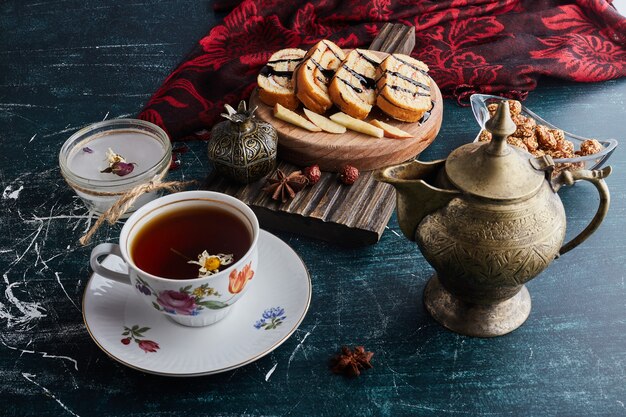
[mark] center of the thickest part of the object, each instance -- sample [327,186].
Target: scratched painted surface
[64,64]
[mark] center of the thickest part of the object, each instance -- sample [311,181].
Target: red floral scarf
[500,47]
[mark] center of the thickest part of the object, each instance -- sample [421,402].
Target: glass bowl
[83,157]
[479,103]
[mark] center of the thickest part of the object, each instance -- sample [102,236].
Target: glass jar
[83,158]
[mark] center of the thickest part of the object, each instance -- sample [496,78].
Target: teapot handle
[596,177]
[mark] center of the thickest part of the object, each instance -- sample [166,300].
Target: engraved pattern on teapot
[489,246]
[243,148]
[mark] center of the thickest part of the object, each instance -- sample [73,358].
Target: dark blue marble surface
[65,64]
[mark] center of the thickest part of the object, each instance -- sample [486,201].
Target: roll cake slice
[353,88]
[274,80]
[403,88]
[313,74]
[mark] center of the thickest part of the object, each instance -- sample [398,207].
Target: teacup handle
[596,178]
[107,249]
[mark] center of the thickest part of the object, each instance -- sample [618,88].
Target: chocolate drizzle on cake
[328,73]
[352,86]
[409,79]
[268,71]
[405,90]
[367,58]
[276,61]
[333,51]
[366,82]
[411,65]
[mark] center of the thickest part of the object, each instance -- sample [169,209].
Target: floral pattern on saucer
[271,318]
[136,334]
[189,301]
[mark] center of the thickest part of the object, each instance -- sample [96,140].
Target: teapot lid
[495,169]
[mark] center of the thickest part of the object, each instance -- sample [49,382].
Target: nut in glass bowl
[540,137]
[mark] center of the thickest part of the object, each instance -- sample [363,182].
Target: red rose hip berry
[125,340]
[313,173]
[348,174]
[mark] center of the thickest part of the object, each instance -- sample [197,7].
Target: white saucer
[271,310]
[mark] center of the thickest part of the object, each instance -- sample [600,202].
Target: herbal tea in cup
[190,255]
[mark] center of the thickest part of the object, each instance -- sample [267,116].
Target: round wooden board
[332,151]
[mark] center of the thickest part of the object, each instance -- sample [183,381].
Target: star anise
[351,362]
[284,187]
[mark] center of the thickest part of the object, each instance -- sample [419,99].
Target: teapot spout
[421,188]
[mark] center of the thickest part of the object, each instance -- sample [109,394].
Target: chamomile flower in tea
[210,264]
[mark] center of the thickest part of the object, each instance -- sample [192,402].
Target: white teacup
[191,302]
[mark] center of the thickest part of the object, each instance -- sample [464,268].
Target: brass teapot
[488,219]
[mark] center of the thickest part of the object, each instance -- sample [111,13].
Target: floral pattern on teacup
[189,301]
[271,318]
[135,334]
[237,280]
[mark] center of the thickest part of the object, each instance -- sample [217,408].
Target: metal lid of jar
[494,170]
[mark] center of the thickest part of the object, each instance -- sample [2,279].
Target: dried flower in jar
[117,164]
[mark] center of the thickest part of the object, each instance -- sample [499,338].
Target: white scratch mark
[30,310]
[10,193]
[62,216]
[88,47]
[43,354]
[67,129]
[107,64]
[299,345]
[447,410]
[231,375]
[395,385]
[31,139]
[19,258]
[620,403]
[270,372]
[39,258]
[25,105]
[56,274]
[88,224]
[105,116]
[531,354]
[393,231]
[293,354]
[29,377]
[119,94]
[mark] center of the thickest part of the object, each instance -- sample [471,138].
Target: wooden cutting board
[346,215]
[332,151]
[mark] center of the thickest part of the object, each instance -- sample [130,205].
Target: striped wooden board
[347,215]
